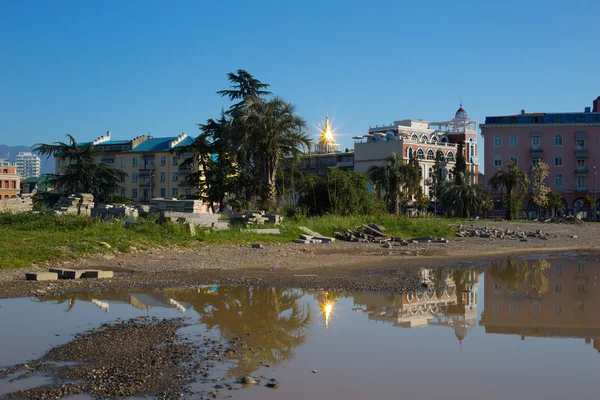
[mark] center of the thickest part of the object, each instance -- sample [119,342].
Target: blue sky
[133,67]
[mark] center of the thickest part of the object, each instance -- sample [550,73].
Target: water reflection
[556,298]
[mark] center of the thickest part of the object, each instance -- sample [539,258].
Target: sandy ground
[340,265]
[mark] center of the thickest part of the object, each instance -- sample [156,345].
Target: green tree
[436,179]
[515,182]
[555,202]
[392,176]
[539,173]
[464,200]
[421,201]
[460,166]
[82,174]
[243,86]
[275,133]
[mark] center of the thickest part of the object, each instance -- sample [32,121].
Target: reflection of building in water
[567,306]
[101,304]
[146,301]
[451,300]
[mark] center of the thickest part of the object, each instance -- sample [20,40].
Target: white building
[28,165]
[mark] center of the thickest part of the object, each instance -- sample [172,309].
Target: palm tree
[275,133]
[511,180]
[464,199]
[82,173]
[392,176]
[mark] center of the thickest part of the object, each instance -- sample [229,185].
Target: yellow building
[153,167]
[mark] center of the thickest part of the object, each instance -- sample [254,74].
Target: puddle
[526,326]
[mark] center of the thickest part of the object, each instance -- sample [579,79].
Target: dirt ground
[340,265]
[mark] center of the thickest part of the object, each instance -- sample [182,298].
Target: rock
[574,236]
[273,384]
[248,380]
[108,246]
[314,371]
[191,228]
[257,246]
[73,273]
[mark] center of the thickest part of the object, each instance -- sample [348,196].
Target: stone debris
[81,203]
[158,205]
[198,219]
[97,274]
[255,217]
[41,276]
[569,220]
[265,231]
[498,233]
[373,233]
[257,246]
[110,211]
[19,204]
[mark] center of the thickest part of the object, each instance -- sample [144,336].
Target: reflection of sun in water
[327,311]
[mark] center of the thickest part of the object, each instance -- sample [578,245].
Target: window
[558,161]
[581,183]
[497,308]
[134,177]
[175,160]
[163,161]
[535,142]
[420,172]
[535,307]
[581,268]
[440,154]
[558,140]
[122,162]
[134,193]
[558,310]
[513,309]
[174,177]
[123,192]
[581,288]
[514,140]
[558,180]
[409,152]
[430,155]
[557,119]
[581,162]
[134,162]
[450,156]
[498,161]
[175,192]
[580,144]
[558,270]
[163,192]
[420,154]
[163,177]
[188,192]
[513,157]
[558,288]
[497,140]
[535,162]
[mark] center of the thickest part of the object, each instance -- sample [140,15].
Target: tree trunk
[509,204]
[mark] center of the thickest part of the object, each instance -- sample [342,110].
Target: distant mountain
[11,152]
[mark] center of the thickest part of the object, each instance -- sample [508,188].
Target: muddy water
[518,328]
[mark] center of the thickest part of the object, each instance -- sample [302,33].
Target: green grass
[35,238]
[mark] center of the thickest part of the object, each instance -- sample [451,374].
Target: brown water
[519,328]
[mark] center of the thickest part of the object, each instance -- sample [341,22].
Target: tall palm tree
[82,174]
[275,132]
[464,199]
[512,180]
[392,176]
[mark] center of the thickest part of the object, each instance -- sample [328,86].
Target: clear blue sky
[84,67]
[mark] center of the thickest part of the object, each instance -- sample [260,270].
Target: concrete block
[97,274]
[41,276]
[301,241]
[265,231]
[61,272]
[74,273]
[257,246]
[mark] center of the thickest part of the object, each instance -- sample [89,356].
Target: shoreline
[339,265]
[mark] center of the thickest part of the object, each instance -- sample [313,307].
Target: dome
[461,113]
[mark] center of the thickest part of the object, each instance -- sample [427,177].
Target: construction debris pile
[75,204]
[499,233]
[19,204]
[255,217]
[372,233]
[158,204]
[109,211]
[569,220]
[310,236]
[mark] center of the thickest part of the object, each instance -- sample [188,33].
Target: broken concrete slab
[324,239]
[301,241]
[257,246]
[308,231]
[305,236]
[97,274]
[265,231]
[41,276]
[74,273]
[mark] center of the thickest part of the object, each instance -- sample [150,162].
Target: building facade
[153,167]
[9,180]
[569,142]
[28,165]
[423,140]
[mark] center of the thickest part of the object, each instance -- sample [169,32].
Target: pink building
[568,142]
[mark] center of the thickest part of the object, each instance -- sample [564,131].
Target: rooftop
[161,144]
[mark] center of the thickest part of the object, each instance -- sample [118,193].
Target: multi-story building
[423,140]
[9,180]
[28,165]
[152,164]
[569,142]
[544,299]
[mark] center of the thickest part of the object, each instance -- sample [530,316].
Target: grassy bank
[28,239]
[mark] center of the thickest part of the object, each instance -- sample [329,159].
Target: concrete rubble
[310,236]
[569,220]
[372,233]
[255,217]
[158,205]
[19,204]
[82,203]
[499,233]
[197,219]
[110,211]
[67,273]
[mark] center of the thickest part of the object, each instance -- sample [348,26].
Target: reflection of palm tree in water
[274,318]
[518,272]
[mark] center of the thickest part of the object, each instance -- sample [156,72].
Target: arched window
[420,172]
[441,153]
[414,136]
[430,155]
[450,156]
[434,139]
[558,140]
[409,152]
[472,145]
[444,139]
[420,154]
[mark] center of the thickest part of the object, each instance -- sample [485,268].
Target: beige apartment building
[9,180]
[152,165]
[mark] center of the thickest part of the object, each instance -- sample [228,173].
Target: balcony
[581,151]
[581,188]
[146,182]
[345,164]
